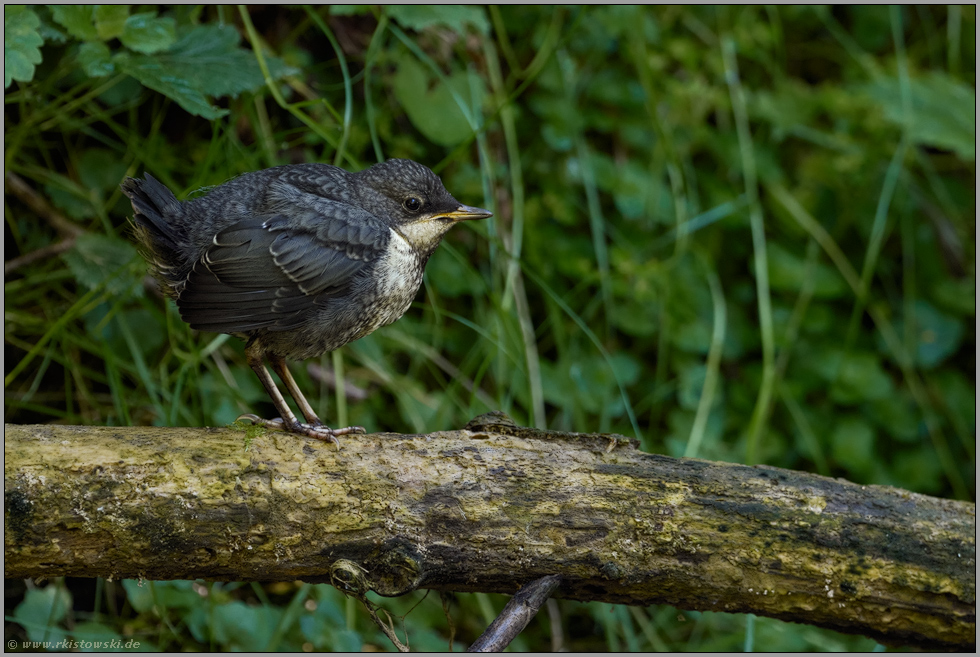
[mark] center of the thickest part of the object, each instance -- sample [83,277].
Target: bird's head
[414,200]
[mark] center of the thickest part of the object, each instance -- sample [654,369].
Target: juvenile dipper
[297,260]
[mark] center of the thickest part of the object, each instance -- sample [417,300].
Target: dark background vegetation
[741,233]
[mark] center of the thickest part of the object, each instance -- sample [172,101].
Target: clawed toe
[318,431]
[346,430]
[255,419]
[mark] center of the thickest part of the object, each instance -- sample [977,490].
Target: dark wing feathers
[264,272]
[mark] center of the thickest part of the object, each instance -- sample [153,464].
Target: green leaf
[73,204]
[95,59]
[429,102]
[451,276]
[148,34]
[209,57]
[349,10]
[101,169]
[958,394]
[788,271]
[177,594]
[50,33]
[21,44]
[97,637]
[110,20]
[789,105]
[638,320]
[455,17]
[691,385]
[240,626]
[852,444]
[919,470]
[205,62]
[79,20]
[943,111]
[860,378]
[898,415]
[938,335]
[96,256]
[345,640]
[155,75]
[139,595]
[589,382]
[957,295]
[42,610]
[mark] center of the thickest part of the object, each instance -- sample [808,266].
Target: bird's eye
[412,204]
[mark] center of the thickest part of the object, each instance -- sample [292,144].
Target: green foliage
[21,44]
[457,18]
[614,144]
[942,111]
[429,102]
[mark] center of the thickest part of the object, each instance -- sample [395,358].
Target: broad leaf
[21,44]
[110,20]
[455,17]
[943,111]
[430,105]
[95,59]
[204,63]
[79,20]
[146,33]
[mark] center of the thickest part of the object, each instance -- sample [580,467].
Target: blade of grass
[540,282]
[888,333]
[514,285]
[806,431]
[372,52]
[648,629]
[413,47]
[594,207]
[675,168]
[253,39]
[87,302]
[760,414]
[149,383]
[289,616]
[953,28]
[348,89]
[537,65]
[749,645]
[714,362]
[337,358]
[702,220]
[892,175]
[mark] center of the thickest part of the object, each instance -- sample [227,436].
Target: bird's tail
[157,215]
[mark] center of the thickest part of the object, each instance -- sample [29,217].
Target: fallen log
[489,508]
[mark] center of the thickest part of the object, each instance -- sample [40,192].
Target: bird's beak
[466,213]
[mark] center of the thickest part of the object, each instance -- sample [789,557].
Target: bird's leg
[254,355]
[279,366]
[287,421]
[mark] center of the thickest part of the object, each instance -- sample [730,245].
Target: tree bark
[488,508]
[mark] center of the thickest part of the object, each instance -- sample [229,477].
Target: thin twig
[517,613]
[17,187]
[38,254]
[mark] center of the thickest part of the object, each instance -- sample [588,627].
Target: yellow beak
[465,213]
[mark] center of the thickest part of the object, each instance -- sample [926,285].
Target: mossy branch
[489,508]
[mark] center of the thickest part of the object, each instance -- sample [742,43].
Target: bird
[297,260]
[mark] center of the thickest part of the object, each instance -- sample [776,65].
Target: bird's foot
[317,430]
